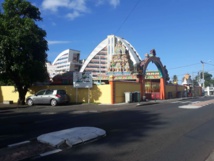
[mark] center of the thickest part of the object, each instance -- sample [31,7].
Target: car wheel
[53,102]
[30,102]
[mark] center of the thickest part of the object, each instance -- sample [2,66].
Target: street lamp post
[203,74]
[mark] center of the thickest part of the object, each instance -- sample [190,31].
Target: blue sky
[181,31]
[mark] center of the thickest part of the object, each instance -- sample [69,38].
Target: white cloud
[58,42]
[53,5]
[74,8]
[73,15]
[114,3]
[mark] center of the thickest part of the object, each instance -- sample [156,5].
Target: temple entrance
[153,83]
[152,89]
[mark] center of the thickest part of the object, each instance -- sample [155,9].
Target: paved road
[162,132]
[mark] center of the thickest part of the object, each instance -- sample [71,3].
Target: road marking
[20,143]
[48,113]
[81,112]
[50,152]
[190,107]
[197,104]
[181,102]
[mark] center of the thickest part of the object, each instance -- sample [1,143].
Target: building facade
[209,91]
[111,55]
[67,60]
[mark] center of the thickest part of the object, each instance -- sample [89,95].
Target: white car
[48,96]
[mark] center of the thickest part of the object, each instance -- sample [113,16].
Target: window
[61,92]
[40,93]
[48,92]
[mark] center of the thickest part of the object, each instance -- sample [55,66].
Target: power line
[184,66]
[126,18]
[209,64]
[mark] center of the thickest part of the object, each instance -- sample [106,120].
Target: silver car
[48,96]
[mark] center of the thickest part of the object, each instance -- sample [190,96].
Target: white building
[209,91]
[99,59]
[68,60]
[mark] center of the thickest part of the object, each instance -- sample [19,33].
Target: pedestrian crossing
[194,104]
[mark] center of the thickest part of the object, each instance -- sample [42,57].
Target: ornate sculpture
[152,52]
[119,48]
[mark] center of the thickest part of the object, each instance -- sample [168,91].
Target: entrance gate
[163,73]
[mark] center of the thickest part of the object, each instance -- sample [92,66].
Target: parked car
[48,96]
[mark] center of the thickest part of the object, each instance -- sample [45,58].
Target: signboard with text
[152,75]
[82,80]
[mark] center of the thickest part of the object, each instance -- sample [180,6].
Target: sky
[181,31]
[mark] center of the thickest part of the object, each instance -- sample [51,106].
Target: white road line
[195,102]
[190,107]
[20,143]
[48,113]
[50,152]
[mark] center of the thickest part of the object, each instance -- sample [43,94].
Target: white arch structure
[109,44]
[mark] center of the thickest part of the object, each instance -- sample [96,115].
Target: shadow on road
[122,127]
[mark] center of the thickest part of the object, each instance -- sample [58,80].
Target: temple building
[113,56]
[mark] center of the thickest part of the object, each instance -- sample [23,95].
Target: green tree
[175,79]
[196,81]
[22,46]
[207,77]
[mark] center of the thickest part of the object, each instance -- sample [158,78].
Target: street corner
[72,136]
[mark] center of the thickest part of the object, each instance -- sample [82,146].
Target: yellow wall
[174,89]
[179,88]
[121,87]
[8,93]
[97,94]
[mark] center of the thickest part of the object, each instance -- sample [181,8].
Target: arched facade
[67,60]
[99,60]
[142,66]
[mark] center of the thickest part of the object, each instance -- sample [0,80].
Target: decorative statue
[119,48]
[146,55]
[153,52]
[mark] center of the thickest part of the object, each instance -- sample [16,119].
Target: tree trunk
[22,92]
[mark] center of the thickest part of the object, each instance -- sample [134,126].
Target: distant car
[48,96]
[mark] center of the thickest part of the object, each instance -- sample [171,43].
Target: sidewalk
[16,106]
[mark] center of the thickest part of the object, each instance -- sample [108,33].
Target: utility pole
[203,74]
[193,86]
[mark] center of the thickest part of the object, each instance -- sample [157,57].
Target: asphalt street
[147,131]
